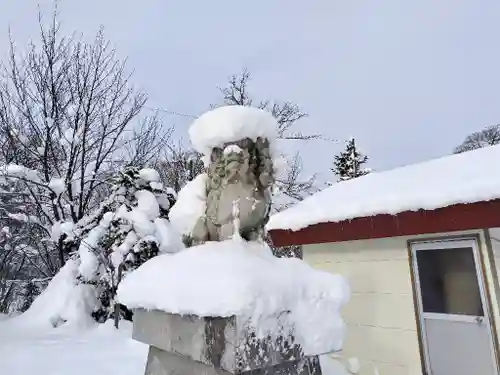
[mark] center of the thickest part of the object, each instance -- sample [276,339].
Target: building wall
[494,234]
[381,323]
[493,270]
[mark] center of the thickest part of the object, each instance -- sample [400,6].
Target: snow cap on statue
[230,124]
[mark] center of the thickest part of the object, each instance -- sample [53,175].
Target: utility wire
[173,113]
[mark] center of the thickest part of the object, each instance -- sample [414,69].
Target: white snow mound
[63,301]
[100,351]
[149,175]
[244,279]
[229,124]
[190,205]
[57,185]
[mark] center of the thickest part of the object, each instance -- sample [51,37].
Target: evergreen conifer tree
[350,162]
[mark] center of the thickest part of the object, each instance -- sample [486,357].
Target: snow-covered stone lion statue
[237,144]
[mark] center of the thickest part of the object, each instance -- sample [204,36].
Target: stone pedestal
[191,345]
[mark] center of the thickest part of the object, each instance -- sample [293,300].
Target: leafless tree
[179,165]
[10,268]
[68,119]
[291,183]
[292,186]
[182,164]
[489,136]
[287,114]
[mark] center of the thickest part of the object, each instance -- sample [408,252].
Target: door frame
[442,243]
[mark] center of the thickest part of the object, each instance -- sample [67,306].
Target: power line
[175,113]
[169,112]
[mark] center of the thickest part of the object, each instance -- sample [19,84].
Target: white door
[457,334]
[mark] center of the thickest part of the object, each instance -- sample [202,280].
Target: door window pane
[448,281]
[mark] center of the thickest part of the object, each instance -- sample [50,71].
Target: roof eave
[478,215]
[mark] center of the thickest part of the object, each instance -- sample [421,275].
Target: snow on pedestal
[235,306]
[241,278]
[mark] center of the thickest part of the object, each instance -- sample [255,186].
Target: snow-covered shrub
[128,228]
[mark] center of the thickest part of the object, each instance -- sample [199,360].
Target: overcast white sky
[408,79]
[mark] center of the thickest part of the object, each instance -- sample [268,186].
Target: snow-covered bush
[128,228]
[133,229]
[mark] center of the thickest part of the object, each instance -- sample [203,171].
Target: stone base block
[161,362]
[221,343]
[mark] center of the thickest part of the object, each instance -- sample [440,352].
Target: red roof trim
[448,219]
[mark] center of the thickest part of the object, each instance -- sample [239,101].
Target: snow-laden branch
[23,173]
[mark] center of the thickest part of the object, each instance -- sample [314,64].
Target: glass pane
[448,282]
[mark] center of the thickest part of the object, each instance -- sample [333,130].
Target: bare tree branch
[489,136]
[288,116]
[70,114]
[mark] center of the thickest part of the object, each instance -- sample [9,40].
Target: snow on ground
[3,317]
[239,278]
[460,178]
[331,366]
[97,351]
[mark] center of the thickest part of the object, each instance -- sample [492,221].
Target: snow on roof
[461,178]
[229,124]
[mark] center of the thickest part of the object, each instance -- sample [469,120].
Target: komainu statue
[240,177]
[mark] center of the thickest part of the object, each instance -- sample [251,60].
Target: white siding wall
[381,332]
[381,323]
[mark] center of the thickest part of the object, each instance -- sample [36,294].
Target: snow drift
[64,300]
[191,204]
